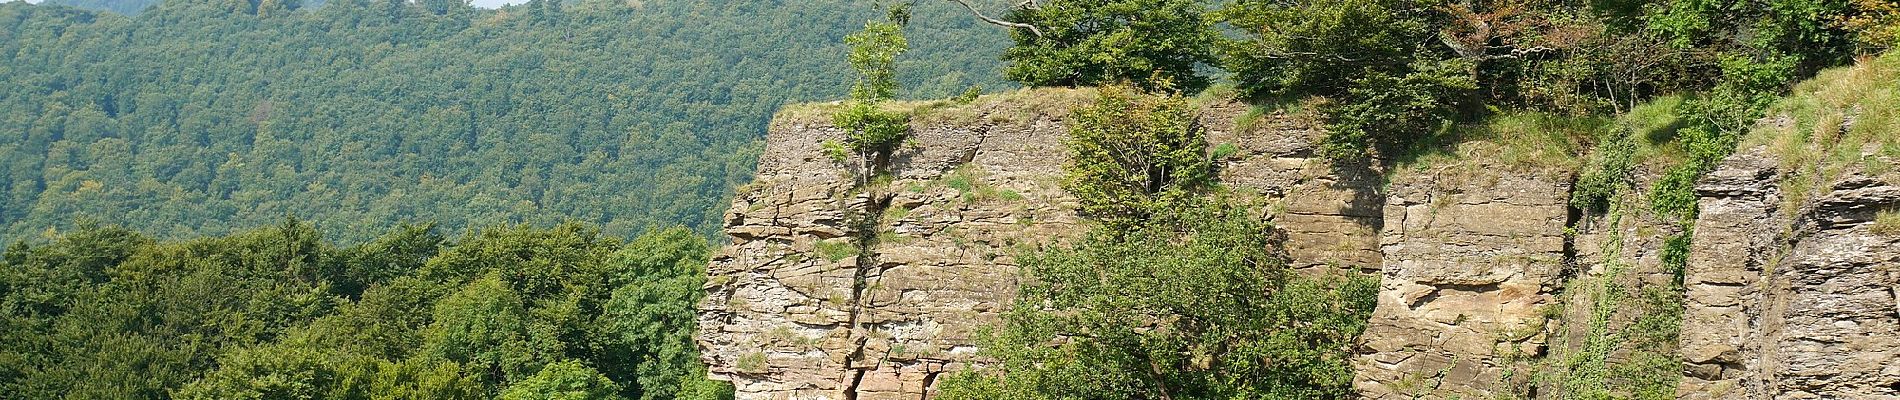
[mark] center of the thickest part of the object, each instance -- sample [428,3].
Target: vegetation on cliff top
[1844,118]
[1179,292]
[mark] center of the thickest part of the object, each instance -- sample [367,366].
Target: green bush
[1193,305]
[1392,112]
[1320,47]
[1607,174]
[1132,154]
[566,380]
[1152,44]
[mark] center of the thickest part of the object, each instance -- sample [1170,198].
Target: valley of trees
[199,117]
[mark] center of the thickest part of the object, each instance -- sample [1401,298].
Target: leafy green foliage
[285,372]
[1389,112]
[567,380]
[651,318]
[513,310]
[874,52]
[1398,71]
[1153,44]
[871,131]
[361,114]
[1321,47]
[482,328]
[1875,24]
[1607,174]
[1133,153]
[1191,305]
[1378,59]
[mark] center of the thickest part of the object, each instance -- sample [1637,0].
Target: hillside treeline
[198,117]
[280,313]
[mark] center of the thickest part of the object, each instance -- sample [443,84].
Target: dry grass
[1519,141]
[1844,119]
[1020,105]
[1886,223]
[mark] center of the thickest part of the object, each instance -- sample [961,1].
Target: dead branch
[1027,5]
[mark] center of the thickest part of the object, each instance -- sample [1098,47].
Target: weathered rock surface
[834,288]
[1470,257]
[783,319]
[1791,299]
[1330,213]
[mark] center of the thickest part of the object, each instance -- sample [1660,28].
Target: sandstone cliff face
[836,288]
[800,306]
[1792,299]
[832,289]
[1470,260]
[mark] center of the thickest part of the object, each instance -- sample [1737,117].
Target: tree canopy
[198,117]
[517,312]
[1150,43]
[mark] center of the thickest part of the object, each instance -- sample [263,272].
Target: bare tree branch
[1030,5]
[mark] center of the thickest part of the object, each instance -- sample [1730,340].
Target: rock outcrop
[1472,255]
[834,288]
[840,286]
[1792,298]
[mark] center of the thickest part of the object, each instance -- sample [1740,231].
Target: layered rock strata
[841,285]
[1471,256]
[837,287]
[1792,298]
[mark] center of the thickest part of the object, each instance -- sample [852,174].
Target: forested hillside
[127,7]
[203,116]
[277,313]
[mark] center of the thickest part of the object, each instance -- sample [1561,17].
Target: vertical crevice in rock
[1573,227]
[930,381]
[867,226]
[866,222]
[857,378]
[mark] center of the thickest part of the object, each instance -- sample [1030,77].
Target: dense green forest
[198,117]
[278,313]
[126,7]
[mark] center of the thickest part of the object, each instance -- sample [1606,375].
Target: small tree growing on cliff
[1134,153]
[871,132]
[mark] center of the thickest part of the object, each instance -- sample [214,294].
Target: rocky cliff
[1793,297]
[833,288]
[1494,286]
